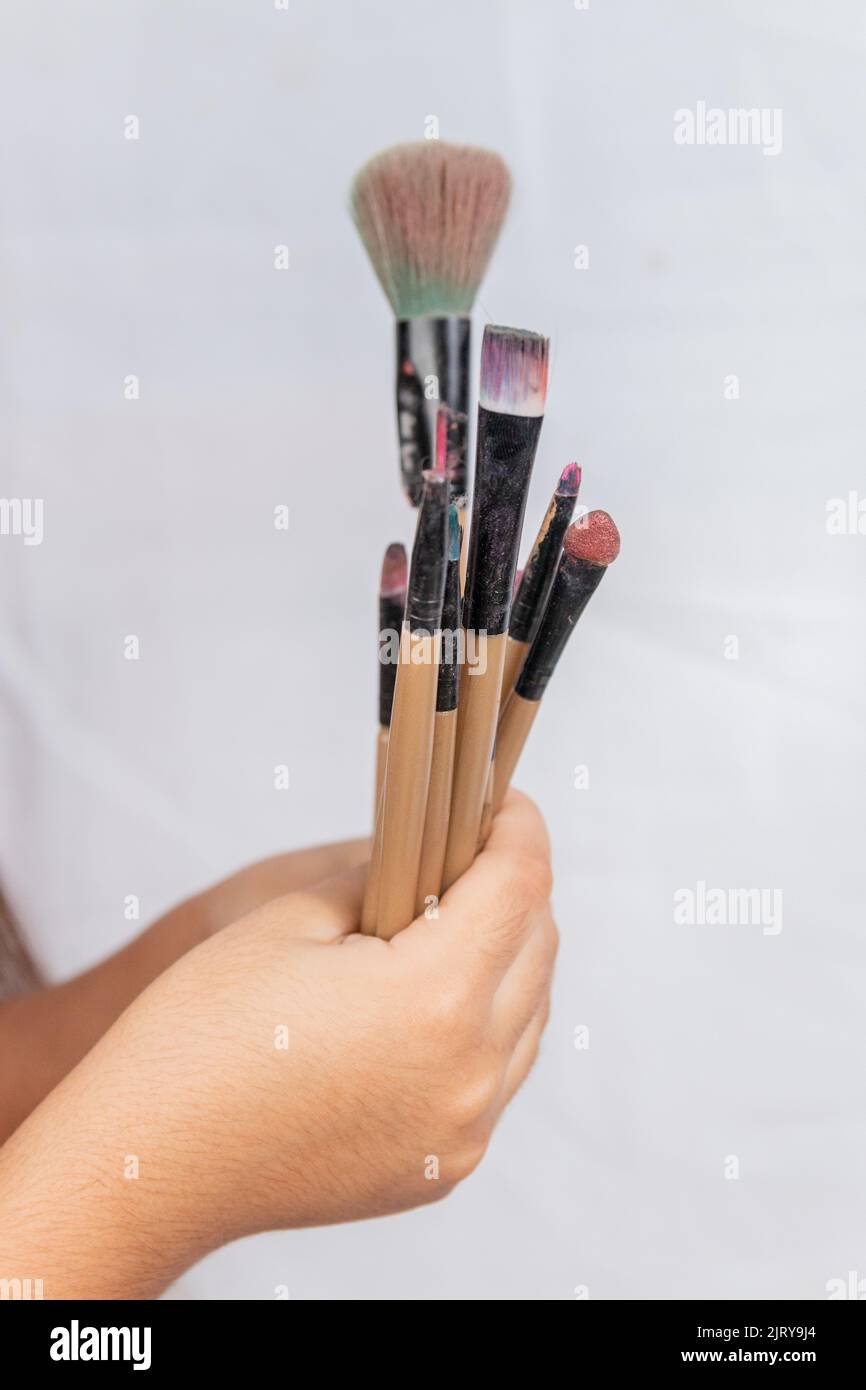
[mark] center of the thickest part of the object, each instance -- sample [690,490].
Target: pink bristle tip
[395,570]
[569,482]
[443,416]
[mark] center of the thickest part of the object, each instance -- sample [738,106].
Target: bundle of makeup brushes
[466,646]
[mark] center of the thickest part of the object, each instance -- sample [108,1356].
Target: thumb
[486,916]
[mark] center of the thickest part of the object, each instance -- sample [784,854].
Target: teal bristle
[454,536]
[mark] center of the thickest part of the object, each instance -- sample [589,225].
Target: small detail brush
[444,731]
[396,858]
[392,605]
[429,214]
[538,576]
[590,545]
[510,414]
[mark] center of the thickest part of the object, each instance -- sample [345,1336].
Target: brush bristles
[513,371]
[569,483]
[455,450]
[443,423]
[455,536]
[395,571]
[429,214]
[594,538]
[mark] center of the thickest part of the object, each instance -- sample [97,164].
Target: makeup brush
[400,821]
[455,469]
[527,603]
[444,730]
[429,214]
[538,576]
[510,412]
[392,604]
[590,545]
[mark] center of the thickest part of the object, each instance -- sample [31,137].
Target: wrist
[92,1201]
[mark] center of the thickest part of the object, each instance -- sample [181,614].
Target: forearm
[86,1206]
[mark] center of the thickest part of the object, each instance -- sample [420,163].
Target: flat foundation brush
[510,413]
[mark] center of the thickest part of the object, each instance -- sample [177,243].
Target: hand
[401,1055]
[44,1034]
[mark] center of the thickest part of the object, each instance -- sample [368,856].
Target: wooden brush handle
[381,758]
[407,778]
[515,655]
[438,809]
[517,719]
[477,714]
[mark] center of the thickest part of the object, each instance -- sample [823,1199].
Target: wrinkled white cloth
[695,1125]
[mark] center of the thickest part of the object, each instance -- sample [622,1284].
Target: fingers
[485,917]
[520,817]
[524,1055]
[526,983]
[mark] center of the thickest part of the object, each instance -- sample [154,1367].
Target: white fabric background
[258,387]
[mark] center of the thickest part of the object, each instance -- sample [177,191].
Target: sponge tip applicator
[594,537]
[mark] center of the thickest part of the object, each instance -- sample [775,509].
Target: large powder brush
[429,215]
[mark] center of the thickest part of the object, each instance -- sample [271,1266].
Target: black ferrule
[540,571]
[390,625]
[504,457]
[429,557]
[432,356]
[446,690]
[575,583]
